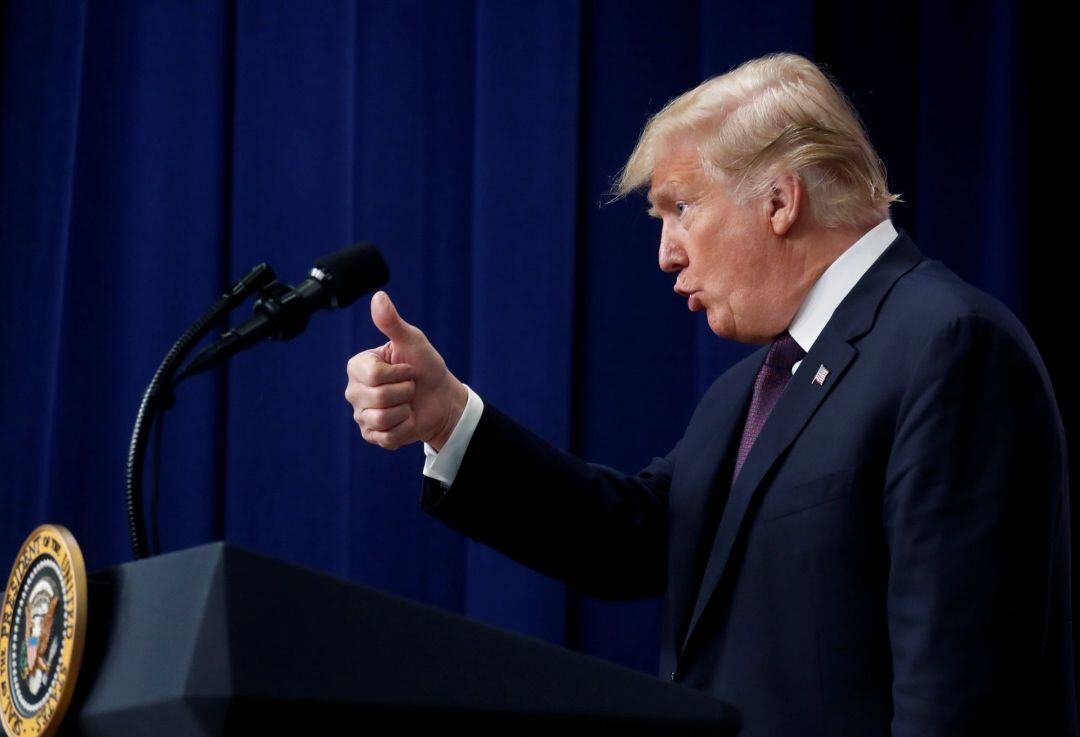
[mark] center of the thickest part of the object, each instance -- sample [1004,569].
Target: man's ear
[785,201]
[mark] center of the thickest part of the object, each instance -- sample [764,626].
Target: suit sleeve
[974,518]
[592,526]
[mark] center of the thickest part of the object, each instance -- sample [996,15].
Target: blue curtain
[153,152]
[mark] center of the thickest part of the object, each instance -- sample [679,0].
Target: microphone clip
[284,307]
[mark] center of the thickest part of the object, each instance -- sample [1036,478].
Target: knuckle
[365,373]
[377,398]
[357,363]
[384,397]
[364,396]
[377,419]
[393,438]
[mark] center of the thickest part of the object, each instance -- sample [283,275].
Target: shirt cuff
[443,465]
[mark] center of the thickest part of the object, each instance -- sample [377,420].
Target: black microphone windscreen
[354,271]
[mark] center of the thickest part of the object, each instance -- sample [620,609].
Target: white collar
[835,283]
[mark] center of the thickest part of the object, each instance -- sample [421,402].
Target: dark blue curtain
[153,152]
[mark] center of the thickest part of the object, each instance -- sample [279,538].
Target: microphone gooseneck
[281,313]
[159,392]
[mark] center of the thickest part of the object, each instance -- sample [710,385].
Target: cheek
[750,259]
[708,247]
[727,263]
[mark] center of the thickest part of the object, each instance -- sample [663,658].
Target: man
[864,529]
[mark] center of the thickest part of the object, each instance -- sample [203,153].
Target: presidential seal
[42,632]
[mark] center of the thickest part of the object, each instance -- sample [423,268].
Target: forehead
[677,168]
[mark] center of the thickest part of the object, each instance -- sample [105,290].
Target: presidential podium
[218,640]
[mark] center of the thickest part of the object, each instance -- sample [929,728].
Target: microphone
[282,312]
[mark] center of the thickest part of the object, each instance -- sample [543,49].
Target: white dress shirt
[443,465]
[835,283]
[810,319]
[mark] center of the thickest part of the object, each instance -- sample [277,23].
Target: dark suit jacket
[894,554]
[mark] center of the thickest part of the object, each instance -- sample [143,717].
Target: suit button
[673,675]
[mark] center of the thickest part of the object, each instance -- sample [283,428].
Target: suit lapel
[832,350]
[702,455]
[795,407]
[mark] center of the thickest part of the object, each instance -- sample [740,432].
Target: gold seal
[42,631]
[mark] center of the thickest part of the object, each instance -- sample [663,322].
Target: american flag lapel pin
[819,377]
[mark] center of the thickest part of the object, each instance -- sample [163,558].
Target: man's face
[728,258]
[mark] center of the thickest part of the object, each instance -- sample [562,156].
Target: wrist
[459,397]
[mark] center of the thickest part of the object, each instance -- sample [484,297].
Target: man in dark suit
[864,529]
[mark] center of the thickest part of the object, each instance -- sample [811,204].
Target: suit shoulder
[933,312]
[931,300]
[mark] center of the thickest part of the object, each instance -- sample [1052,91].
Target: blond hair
[772,115]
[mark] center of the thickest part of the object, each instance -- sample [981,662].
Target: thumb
[386,317]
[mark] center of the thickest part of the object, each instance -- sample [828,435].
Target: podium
[217,640]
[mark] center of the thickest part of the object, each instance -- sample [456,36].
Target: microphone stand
[158,395]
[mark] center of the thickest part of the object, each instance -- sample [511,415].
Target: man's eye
[682,207]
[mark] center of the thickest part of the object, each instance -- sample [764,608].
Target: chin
[723,326]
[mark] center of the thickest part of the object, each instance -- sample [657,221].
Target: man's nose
[672,254]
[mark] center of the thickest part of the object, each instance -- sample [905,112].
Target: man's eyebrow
[660,194]
[669,190]
[666,192]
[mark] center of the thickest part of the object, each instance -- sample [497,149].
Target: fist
[402,392]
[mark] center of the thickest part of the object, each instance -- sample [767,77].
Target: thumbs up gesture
[402,391]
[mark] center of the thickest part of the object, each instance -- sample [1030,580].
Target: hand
[402,392]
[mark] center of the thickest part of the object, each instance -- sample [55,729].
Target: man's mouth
[692,299]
